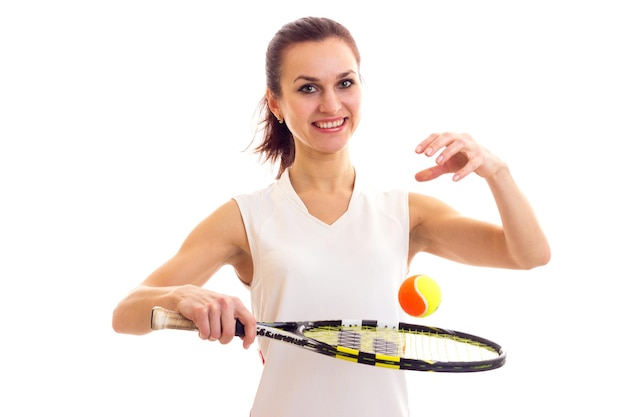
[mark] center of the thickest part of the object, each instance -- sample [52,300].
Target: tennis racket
[389,345]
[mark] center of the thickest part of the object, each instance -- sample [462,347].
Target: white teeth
[330,125]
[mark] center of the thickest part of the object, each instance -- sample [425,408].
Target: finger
[438,143]
[425,145]
[201,318]
[249,325]
[449,151]
[228,326]
[241,313]
[215,323]
[472,165]
[430,173]
[475,160]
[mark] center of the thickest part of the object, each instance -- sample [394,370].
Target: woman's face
[321,95]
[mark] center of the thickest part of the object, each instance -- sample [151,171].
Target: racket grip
[167,319]
[240,331]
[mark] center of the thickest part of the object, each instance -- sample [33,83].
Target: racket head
[405,346]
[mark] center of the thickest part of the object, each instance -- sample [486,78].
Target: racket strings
[409,344]
[364,342]
[444,347]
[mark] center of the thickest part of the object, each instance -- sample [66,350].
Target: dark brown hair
[277,144]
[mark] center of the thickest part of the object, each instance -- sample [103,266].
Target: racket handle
[168,319]
[239,329]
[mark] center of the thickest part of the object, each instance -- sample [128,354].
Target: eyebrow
[313,79]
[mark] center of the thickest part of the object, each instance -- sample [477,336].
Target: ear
[272,103]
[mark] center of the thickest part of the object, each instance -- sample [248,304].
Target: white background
[123,124]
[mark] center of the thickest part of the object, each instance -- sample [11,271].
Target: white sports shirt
[305,269]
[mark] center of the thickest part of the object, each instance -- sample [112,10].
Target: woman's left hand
[459,154]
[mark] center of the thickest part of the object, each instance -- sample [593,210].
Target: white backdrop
[122,125]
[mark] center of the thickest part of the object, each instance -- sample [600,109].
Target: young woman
[305,243]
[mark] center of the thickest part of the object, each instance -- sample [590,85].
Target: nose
[330,103]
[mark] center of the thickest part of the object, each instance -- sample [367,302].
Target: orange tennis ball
[419,296]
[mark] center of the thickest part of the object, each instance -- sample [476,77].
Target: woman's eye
[308,88]
[345,83]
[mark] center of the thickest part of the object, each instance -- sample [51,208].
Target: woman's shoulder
[423,207]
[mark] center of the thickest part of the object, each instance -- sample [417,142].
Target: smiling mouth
[330,125]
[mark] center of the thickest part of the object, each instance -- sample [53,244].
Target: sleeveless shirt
[305,269]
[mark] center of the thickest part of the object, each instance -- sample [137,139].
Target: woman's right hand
[214,314]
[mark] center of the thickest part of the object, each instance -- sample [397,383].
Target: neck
[329,176]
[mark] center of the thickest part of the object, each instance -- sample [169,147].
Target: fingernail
[418,149]
[429,151]
[439,158]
